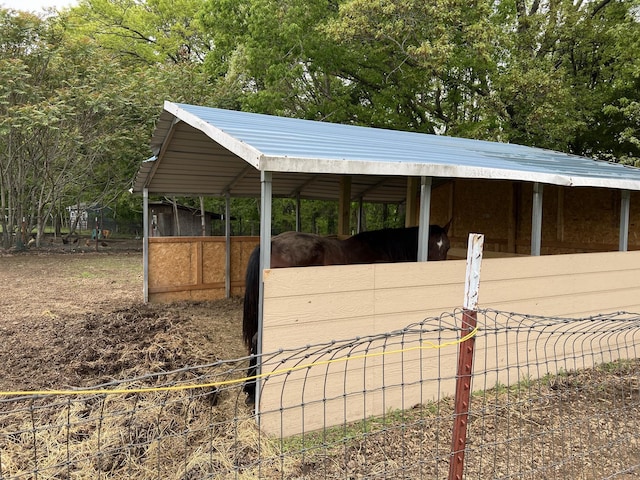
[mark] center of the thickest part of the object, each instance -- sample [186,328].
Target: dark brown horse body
[295,249]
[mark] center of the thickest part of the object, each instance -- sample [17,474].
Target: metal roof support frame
[145,245]
[625,203]
[344,206]
[360,214]
[266,189]
[298,213]
[423,224]
[227,235]
[536,219]
[238,140]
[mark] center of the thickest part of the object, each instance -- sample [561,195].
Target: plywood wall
[574,219]
[193,268]
[314,305]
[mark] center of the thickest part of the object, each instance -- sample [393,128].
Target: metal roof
[210,151]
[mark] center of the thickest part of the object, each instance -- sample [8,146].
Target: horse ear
[446,227]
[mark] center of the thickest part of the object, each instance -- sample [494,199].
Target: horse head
[439,243]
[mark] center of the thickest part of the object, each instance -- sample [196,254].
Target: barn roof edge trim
[207,150]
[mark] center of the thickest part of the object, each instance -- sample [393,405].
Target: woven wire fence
[552,398]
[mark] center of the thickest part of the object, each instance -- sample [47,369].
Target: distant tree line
[81,88]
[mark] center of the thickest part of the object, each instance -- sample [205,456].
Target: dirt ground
[71,316]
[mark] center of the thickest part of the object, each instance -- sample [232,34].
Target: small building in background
[87,215]
[162,215]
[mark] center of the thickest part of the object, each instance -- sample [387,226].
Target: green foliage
[417,65]
[80,90]
[150,32]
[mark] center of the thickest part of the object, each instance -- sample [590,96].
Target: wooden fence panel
[193,268]
[312,305]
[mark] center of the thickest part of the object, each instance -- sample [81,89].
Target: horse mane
[386,245]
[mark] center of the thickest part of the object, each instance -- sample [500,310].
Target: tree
[68,132]
[269,56]
[563,65]
[151,32]
[80,90]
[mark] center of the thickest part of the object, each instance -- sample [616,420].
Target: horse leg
[249,386]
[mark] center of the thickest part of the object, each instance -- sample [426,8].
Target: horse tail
[251,298]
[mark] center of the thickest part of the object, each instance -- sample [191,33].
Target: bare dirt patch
[77,319]
[71,318]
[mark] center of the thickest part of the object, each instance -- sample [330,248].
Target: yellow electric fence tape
[115,391]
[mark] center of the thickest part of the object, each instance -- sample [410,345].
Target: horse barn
[561,237]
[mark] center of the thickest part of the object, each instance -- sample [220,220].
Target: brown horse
[295,249]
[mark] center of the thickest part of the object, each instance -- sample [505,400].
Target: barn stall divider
[194,268]
[553,395]
[324,304]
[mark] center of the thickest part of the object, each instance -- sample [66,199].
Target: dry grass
[522,429]
[571,425]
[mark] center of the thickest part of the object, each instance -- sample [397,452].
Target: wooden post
[560,215]
[145,244]
[465,357]
[227,249]
[97,230]
[512,218]
[411,214]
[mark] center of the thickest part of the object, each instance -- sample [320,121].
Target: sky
[36,5]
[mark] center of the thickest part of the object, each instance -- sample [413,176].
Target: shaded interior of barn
[483,187]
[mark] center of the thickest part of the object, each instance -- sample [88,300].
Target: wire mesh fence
[552,398]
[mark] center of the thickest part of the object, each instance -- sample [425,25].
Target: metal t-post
[465,357]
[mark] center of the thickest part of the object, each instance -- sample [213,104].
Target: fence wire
[552,398]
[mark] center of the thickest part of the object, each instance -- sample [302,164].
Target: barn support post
[298,213]
[625,203]
[465,357]
[536,219]
[145,244]
[344,206]
[423,224]
[227,239]
[513,211]
[411,212]
[360,214]
[176,217]
[266,189]
[203,221]
[560,215]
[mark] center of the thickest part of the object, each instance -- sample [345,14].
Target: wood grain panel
[306,306]
[193,268]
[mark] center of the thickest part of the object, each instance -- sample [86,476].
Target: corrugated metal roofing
[210,151]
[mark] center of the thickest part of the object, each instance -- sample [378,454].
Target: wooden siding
[574,219]
[319,304]
[193,268]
